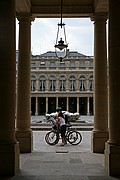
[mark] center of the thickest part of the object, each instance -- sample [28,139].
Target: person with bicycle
[72,136]
[60,121]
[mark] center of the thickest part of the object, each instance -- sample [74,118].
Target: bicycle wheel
[74,137]
[52,138]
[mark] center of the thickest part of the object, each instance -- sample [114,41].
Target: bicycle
[72,136]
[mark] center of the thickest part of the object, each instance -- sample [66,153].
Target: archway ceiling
[71,8]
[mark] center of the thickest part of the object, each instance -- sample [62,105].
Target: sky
[79,35]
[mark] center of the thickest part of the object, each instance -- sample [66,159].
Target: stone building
[68,84]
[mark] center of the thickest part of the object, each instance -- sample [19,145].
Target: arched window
[62,83]
[33,83]
[52,84]
[82,83]
[91,83]
[42,86]
[72,83]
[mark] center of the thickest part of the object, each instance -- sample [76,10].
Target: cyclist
[61,122]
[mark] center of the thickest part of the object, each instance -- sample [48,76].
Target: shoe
[65,143]
[62,144]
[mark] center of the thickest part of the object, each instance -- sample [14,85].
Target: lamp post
[61,45]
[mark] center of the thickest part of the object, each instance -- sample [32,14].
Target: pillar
[23,131]
[78,104]
[88,106]
[36,107]
[46,104]
[67,103]
[100,131]
[57,102]
[112,147]
[9,147]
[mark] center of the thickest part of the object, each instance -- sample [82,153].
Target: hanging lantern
[61,42]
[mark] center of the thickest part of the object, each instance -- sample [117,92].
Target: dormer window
[42,63]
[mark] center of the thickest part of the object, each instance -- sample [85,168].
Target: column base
[9,159]
[112,159]
[98,141]
[25,139]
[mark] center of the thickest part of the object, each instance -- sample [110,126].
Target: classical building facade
[68,84]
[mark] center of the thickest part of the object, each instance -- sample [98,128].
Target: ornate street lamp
[61,45]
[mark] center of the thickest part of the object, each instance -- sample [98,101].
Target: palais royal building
[68,84]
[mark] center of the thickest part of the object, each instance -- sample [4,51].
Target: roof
[70,54]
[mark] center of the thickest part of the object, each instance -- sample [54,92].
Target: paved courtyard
[61,163]
[41,146]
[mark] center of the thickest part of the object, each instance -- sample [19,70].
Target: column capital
[25,17]
[99,17]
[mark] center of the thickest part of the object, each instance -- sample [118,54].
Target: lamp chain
[61,14]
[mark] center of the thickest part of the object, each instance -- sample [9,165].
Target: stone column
[78,104]
[112,147]
[100,131]
[56,101]
[88,106]
[9,147]
[23,130]
[67,103]
[36,107]
[46,104]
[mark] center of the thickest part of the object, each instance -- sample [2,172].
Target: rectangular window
[82,64]
[72,65]
[91,64]
[52,64]
[42,64]
[62,65]
[33,65]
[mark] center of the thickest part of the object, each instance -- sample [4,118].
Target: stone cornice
[23,5]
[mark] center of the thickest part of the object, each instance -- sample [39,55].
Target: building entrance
[83,105]
[41,106]
[62,103]
[51,104]
[72,104]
